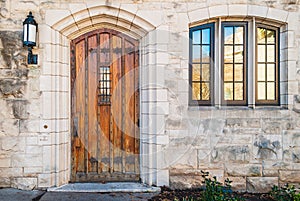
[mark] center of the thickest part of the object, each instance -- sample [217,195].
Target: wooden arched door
[105,107]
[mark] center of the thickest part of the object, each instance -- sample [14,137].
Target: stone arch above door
[81,18]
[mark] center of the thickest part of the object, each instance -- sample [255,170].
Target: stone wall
[255,148]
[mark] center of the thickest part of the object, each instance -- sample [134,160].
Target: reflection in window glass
[266,69]
[233,62]
[201,64]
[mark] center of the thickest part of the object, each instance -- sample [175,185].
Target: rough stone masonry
[256,147]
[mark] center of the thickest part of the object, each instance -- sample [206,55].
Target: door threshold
[109,187]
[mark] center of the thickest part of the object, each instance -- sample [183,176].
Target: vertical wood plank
[79,104]
[104,110]
[129,108]
[92,105]
[116,103]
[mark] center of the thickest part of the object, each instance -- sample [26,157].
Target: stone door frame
[60,27]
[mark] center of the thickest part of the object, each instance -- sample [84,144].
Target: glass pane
[238,54]
[196,72]
[261,72]
[270,36]
[228,72]
[196,37]
[228,54]
[228,35]
[196,53]
[271,72]
[205,72]
[261,91]
[271,53]
[196,91]
[205,91]
[205,36]
[238,72]
[261,53]
[261,35]
[238,91]
[228,91]
[271,91]
[239,35]
[205,53]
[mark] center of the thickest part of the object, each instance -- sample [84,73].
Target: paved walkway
[123,191]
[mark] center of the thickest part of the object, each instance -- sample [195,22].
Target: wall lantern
[29,37]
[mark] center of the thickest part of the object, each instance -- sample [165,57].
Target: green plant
[215,191]
[285,193]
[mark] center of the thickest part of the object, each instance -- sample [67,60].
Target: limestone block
[44,180]
[230,153]
[5,162]
[218,10]
[24,183]
[238,183]
[5,182]
[242,170]
[26,160]
[13,144]
[289,176]
[180,157]
[261,184]
[29,126]
[162,178]
[11,172]
[268,147]
[185,182]
[199,14]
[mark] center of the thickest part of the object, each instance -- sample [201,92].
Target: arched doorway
[104,107]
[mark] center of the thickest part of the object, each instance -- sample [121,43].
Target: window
[234,63]
[201,73]
[244,70]
[267,65]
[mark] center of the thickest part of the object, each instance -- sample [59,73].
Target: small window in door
[104,92]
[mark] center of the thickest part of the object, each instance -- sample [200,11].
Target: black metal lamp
[29,37]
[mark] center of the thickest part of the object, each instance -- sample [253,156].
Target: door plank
[92,105]
[116,134]
[79,105]
[129,137]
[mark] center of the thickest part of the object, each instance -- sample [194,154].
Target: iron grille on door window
[104,93]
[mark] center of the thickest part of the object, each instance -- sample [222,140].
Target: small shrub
[215,191]
[285,193]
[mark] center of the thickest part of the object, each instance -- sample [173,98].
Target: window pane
[238,91]
[239,35]
[228,35]
[238,54]
[228,91]
[196,72]
[205,53]
[261,72]
[271,53]
[271,72]
[205,91]
[261,53]
[196,37]
[196,53]
[228,72]
[205,72]
[238,72]
[261,91]
[271,91]
[270,36]
[228,54]
[196,91]
[261,35]
[205,36]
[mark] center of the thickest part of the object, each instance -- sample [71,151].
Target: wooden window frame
[209,102]
[275,102]
[245,74]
